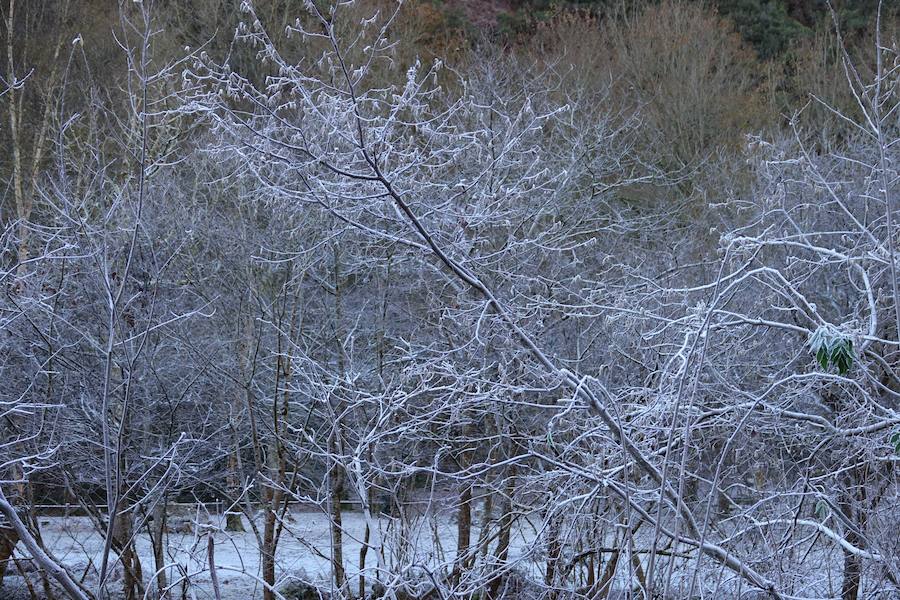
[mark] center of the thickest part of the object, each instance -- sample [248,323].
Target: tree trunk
[336,475]
[503,537]
[8,540]
[268,549]
[363,550]
[851,504]
[232,517]
[463,512]
[22,197]
[484,527]
[852,573]
[463,528]
[554,552]
[157,539]
[336,494]
[132,577]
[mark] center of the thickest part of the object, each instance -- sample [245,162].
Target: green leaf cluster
[840,355]
[832,349]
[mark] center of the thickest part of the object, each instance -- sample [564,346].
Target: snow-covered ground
[302,551]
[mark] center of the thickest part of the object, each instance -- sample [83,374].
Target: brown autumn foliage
[697,85]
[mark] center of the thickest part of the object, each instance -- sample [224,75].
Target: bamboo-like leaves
[832,348]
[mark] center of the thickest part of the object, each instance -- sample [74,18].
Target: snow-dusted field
[302,551]
[303,555]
